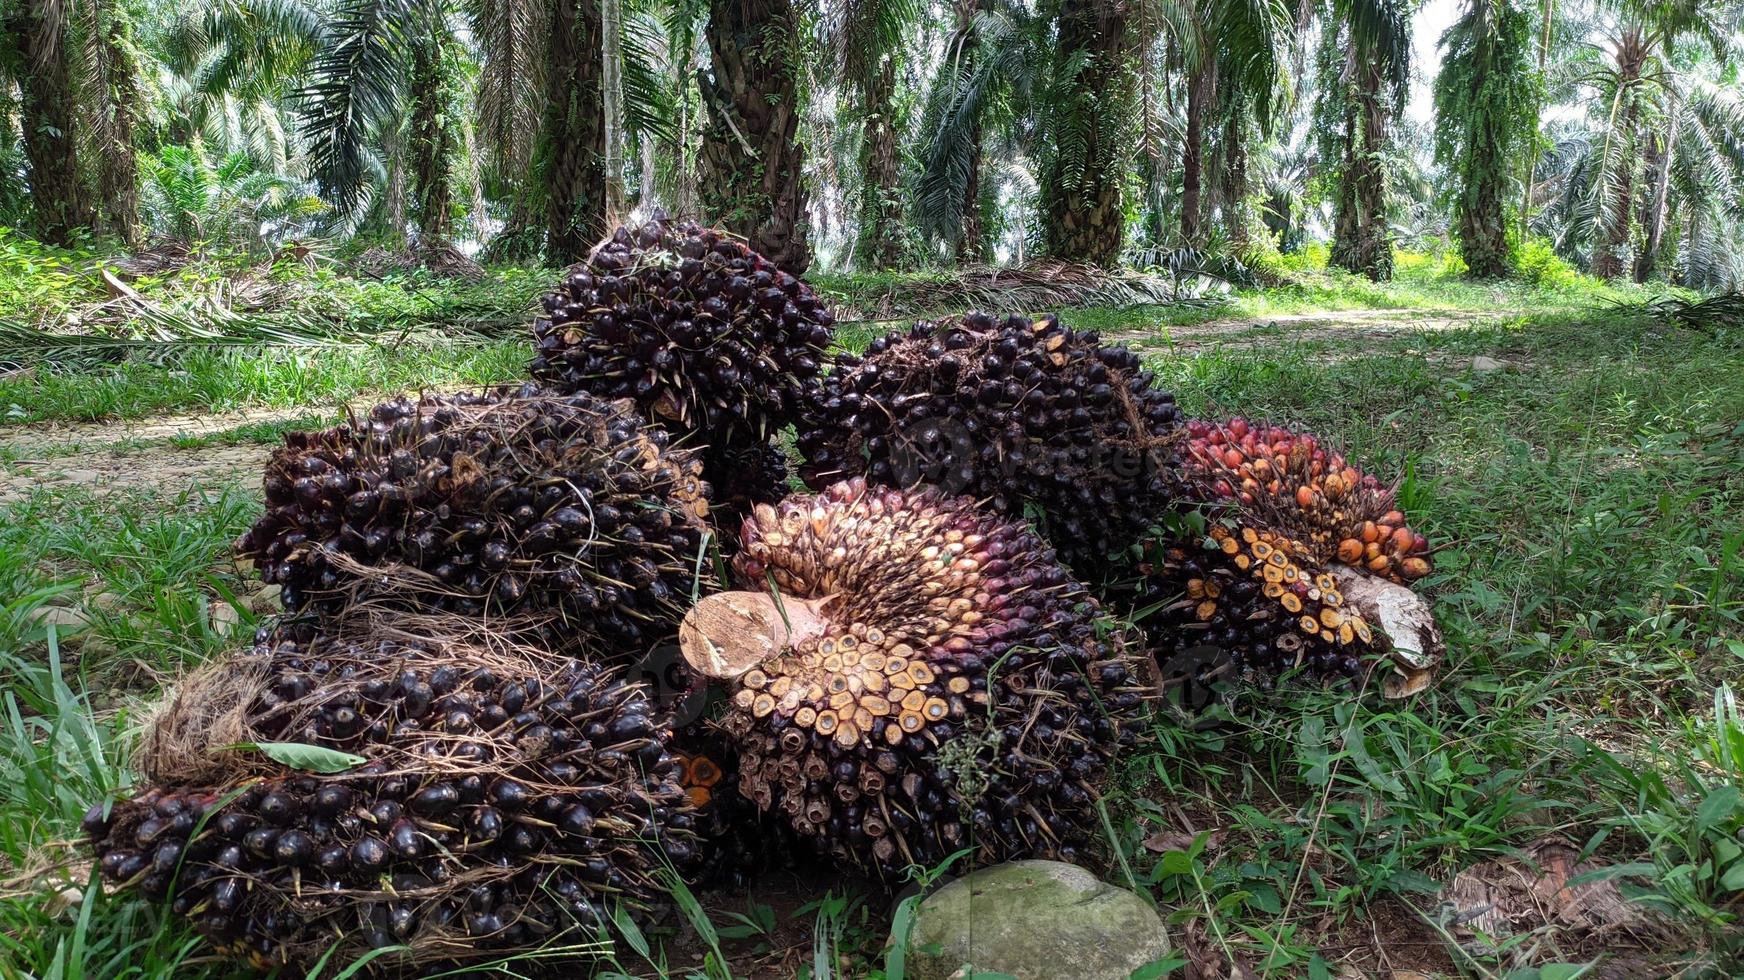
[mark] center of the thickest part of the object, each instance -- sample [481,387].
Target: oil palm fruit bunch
[1027,414]
[912,674]
[505,800]
[495,502]
[1301,488]
[705,335]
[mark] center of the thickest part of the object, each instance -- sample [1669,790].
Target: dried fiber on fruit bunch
[1026,414]
[913,675]
[1332,509]
[707,337]
[490,503]
[508,800]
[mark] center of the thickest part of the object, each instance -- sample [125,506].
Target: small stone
[225,618]
[62,618]
[1483,364]
[264,600]
[1034,920]
[108,602]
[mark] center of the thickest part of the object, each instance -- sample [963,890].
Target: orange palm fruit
[1414,567]
[1350,551]
[1304,497]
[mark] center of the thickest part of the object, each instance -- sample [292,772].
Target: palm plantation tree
[38,58]
[1486,104]
[379,110]
[1085,124]
[991,64]
[752,160]
[866,43]
[572,141]
[1636,79]
[1235,53]
[1365,67]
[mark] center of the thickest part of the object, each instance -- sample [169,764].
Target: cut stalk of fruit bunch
[1263,604]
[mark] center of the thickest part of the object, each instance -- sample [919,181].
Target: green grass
[278,377]
[217,379]
[1590,503]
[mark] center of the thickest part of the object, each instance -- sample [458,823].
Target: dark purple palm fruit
[706,336]
[504,805]
[1037,419]
[487,504]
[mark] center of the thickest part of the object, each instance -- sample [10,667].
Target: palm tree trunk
[880,168]
[1608,250]
[48,119]
[1235,215]
[394,203]
[752,163]
[1483,235]
[612,91]
[1201,92]
[1531,171]
[1081,196]
[117,170]
[1653,215]
[1361,243]
[574,133]
[432,144]
[971,246]
[972,243]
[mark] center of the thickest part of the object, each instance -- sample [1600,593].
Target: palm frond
[650,104]
[858,34]
[355,84]
[1380,34]
[512,36]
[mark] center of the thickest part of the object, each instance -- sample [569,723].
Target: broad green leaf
[1719,805]
[304,757]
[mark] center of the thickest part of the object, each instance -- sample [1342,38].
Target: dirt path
[25,440]
[158,467]
[1295,328]
[133,454]
[140,453]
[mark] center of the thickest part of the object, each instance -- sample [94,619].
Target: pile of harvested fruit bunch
[441,756]
[1303,567]
[501,799]
[1029,415]
[493,503]
[914,675]
[706,336]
